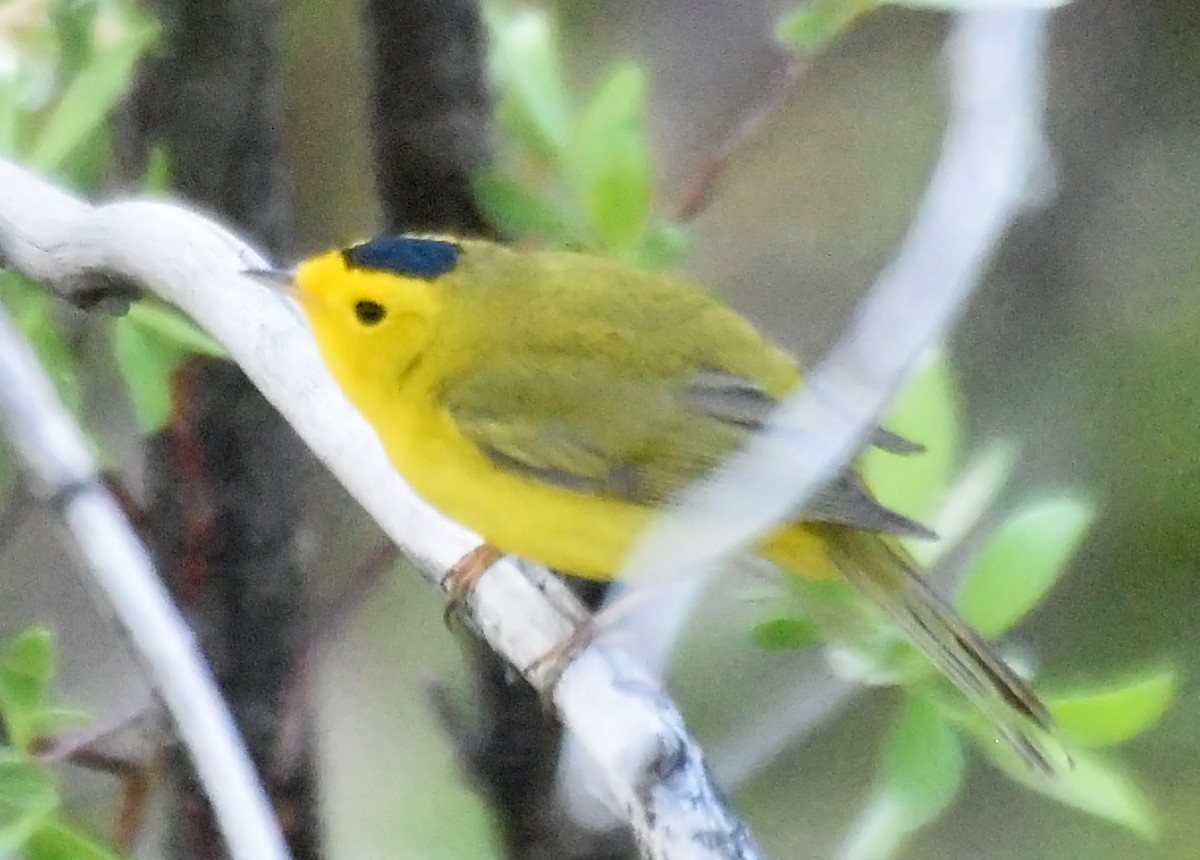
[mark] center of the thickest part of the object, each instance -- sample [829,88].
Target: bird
[556,402]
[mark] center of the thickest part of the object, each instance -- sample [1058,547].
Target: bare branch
[621,716]
[700,186]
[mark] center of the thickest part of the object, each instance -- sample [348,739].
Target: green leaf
[923,762]
[608,160]
[1093,784]
[52,721]
[27,798]
[927,413]
[146,364]
[814,25]
[784,634]
[528,71]
[1114,714]
[922,775]
[88,98]
[174,328]
[56,840]
[663,246]
[26,667]
[74,27]
[149,342]
[1021,562]
[518,213]
[159,170]
[30,308]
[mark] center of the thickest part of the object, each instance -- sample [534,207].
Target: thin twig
[697,190]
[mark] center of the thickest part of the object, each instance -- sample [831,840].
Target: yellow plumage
[553,402]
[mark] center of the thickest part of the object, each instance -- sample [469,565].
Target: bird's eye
[369,312]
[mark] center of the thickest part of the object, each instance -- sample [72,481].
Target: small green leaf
[145,364]
[923,762]
[26,667]
[784,634]
[1021,562]
[1111,715]
[52,721]
[149,342]
[56,840]
[528,71]
[27,798]
[1092,784]
[663,246]
[927,413]
[87,100]
[518,213]
[159,170]
[922,775]
[174,328]
[609,160]
[814,25]
[74,27]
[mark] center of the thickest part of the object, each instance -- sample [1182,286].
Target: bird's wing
[573,421]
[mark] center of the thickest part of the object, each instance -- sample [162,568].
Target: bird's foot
[461,578]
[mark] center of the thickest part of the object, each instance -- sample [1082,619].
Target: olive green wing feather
[737,400]
[573,422]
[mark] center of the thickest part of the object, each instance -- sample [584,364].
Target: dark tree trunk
[223,477]
[430,113]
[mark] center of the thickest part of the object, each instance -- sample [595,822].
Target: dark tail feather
[886,575]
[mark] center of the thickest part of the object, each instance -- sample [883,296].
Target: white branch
[992,154]
[62,472]
[992,158]
[621,716]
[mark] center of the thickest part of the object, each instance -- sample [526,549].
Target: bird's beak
[277,279]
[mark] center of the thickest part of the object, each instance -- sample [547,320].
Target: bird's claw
[461,578]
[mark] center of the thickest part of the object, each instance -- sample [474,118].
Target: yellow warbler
[553,402]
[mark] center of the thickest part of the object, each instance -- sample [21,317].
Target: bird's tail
[882,571]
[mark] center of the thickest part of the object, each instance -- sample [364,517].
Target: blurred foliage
[1023,556]
[63,67]
[573,178]
[583,176]
[30,820]
[920,777]
[582,180]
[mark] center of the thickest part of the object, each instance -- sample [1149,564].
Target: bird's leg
[461,578]
[555,661]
